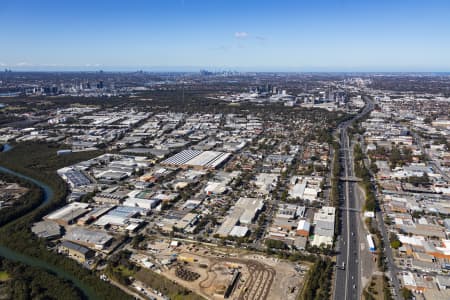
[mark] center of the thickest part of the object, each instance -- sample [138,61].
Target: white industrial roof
[143,203]
[67,209]
[87,236]
[319,239]
[111,219]
[415,241]
[303,225]
[239,231]
[408,279]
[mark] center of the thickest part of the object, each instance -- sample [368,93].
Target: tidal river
[35,262]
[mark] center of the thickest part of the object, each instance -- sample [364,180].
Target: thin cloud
[241,34]
[23,64]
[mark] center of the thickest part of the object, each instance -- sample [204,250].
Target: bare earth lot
[210,273]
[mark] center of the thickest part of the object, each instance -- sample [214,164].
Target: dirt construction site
[218,275]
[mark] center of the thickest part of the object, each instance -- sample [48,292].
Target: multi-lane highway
[348,271]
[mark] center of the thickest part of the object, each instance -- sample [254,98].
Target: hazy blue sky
[297,35]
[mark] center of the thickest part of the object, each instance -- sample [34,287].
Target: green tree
[407,294]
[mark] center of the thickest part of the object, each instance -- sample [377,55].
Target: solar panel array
[77,178]
[182,157]
[206,159]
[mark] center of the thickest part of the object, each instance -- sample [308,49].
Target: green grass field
[124,271]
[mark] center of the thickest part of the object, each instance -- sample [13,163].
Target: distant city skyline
[188,35]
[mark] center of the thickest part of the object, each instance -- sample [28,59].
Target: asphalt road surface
[348,271]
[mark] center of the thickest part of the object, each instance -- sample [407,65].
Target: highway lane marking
[348,222]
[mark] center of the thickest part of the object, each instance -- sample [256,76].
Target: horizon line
[193,69]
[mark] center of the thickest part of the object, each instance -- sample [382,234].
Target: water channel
[35,262]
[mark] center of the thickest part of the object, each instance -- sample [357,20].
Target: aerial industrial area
[227,185]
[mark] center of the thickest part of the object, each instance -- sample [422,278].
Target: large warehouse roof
[195,158]
[182,157]
[97,238]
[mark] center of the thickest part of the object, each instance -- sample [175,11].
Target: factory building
[109,198]
[142,198]
[266,182]
[88,238]
[94,215]
[239,231]
[244,212]
[75,178]
[46,230]
[324,226]
[123,217]
[198,159]
[303,228]
[75,251]
[68,214]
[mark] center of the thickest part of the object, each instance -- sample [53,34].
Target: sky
[242,35]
